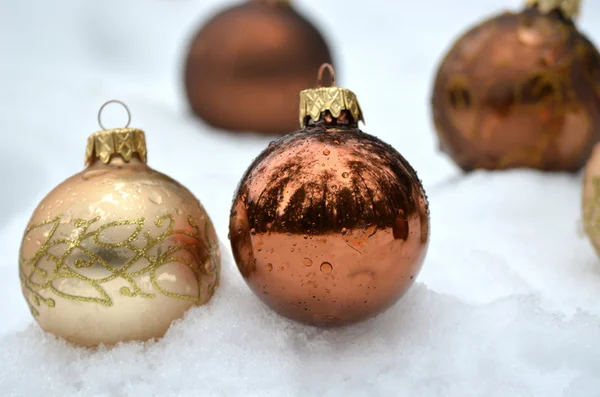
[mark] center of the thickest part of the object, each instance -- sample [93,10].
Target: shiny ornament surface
[329,225]
[118,251]
[520,90]
[246,66]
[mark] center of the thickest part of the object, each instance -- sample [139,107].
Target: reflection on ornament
[329,225]
[118,251]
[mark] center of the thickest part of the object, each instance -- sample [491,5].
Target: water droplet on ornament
[155,198]
[326,152]
[66,219]
[307,262]
[333,187]
[344,231]
[253,231]
[345,175]
[326,267]
[269,267]
[291,249]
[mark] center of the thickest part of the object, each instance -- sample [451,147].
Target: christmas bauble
[329,225]
[118,251]
[520,90]
[591,199]
[246,65]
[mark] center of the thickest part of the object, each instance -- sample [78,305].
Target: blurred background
[61,60]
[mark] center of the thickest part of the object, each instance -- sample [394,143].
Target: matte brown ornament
[118,251]
[246,66]
[329,225]
[520,90]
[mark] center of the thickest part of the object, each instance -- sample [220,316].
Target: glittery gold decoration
[124,142]
[570,8]
[315,101]
[62,258]
[118,251]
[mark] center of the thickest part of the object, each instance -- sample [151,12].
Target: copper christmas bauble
[118,251]
[520,90]
[329,225]
[246,66]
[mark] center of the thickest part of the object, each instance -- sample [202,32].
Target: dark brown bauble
[246,66]
[520,90]
[329,225]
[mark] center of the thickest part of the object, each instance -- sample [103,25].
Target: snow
[506,304]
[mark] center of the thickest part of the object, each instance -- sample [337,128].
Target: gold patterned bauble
[520,90]
[591,199]
[118,251]
[329,225]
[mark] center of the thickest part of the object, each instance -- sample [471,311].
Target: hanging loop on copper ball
[109,102]
[320,74]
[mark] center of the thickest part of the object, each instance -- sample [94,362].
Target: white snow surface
[506,304]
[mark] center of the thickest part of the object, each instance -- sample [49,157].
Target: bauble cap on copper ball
[246,65]
[329,225]
[520,90]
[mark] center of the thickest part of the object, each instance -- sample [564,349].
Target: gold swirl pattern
[138,255]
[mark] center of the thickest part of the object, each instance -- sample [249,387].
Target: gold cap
[124,142]
[315,101]
[570,8]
